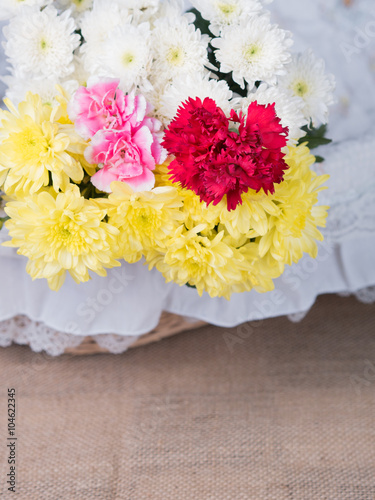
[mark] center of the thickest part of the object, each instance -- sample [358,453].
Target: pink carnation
[125,142]
[96,107]
[127,155]
[105,106]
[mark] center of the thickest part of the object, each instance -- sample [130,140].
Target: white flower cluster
[154,47]
[40,46]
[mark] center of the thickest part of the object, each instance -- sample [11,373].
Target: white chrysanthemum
[46,89]
[126,55]
[96,25]
[11,8]
[222,13]
[197,85]
[287,106]
[178,49]
[255,50]
[101,20]
[172,9]
[307,79]
[41,43]
[78,7]
[141,10]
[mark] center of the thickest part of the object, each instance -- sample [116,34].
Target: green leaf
[2,220]
[315,132]
[315,142]
[201,23]
[319,159]
[314,137]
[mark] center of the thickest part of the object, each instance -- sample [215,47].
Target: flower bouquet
[136,130]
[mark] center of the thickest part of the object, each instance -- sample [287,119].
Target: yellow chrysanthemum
[251,217]
[38,146]
[263,271]
[61,232]
[294,231]
[145,219]
[162,174]
[87,167]
[256,273]
[197,260]
[198,212]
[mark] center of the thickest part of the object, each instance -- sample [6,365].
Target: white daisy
[195,85]
[41,43]
[96,25]
[11,8]
[255,50]
[222,13]
[18,88]
[178,48]
[126,55]
[287,106]
[307,79]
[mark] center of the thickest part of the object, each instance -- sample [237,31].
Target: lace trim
[22,330]
[115,344]
[40,337]
[366,295]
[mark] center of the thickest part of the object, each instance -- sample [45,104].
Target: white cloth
[130,300]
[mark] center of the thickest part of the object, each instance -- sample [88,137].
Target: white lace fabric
[22,330]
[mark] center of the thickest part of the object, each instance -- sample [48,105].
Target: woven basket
[170,324]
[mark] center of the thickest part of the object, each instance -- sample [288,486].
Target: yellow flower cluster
[59,233]
[51,223]
[215,250]
[60,227]
[145,220]
[38,147]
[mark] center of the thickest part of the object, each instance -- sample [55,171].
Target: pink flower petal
[98,149]
[103,178]
[143,182]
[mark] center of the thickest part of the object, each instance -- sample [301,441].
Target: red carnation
[215,156]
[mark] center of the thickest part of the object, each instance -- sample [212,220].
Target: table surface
[283,412]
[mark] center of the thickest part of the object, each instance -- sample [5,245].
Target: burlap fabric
[267,411]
